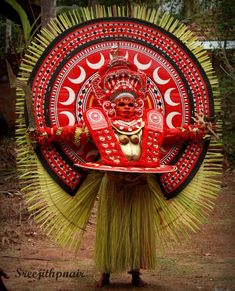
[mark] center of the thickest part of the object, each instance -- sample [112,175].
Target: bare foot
[103,281]
[137,281]
[4,275]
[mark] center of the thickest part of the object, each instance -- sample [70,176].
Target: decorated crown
[118,77]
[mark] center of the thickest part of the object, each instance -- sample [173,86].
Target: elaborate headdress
[118,78]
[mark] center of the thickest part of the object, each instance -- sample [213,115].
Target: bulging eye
[121,104]
[131,104]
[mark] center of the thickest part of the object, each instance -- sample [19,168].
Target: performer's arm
[201,129]
[77,134]
[194,132]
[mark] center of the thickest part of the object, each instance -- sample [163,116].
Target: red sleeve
[188,132]
[76,134]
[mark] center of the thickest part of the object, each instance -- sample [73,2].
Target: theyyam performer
[118,110]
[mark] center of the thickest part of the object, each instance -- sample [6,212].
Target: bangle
[77,136]
[59,131]
[80,134]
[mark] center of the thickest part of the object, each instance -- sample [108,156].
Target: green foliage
[72,3]
[16,42]
[214,20]
[20,37]
[151,3]
[225,30]
[227,89]
[225,18]
[2,35]
[113,2]
[23,17]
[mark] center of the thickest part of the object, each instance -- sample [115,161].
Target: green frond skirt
[125,238]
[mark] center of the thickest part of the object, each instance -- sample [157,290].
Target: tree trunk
[48,10]
[189,8]
[8,35]
[92,3]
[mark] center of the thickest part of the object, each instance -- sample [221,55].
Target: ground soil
[205,262]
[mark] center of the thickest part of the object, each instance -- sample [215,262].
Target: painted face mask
[125,107]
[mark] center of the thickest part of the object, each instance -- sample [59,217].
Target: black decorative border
[191,175]
[43,161]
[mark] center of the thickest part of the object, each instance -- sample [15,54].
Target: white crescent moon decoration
[170,117]
[97,65]
[157,79]
[70,116]
[167,97]
[140,65]
[71,97]
[79,79]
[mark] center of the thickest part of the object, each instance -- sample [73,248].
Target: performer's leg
[136,280]
[4,275]
[104,280]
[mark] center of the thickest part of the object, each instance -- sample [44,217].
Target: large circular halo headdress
[61,64]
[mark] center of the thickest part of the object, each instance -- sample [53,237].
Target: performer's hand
[33,135]
[206,127]
[39,136]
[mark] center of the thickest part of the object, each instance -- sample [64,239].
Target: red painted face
[125,107]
